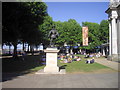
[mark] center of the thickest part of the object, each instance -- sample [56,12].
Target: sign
[85,36]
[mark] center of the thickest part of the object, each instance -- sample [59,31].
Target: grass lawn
[33,64]
[81,66]
[37,68]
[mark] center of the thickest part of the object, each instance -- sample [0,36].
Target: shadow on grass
[14,67]
[62,67]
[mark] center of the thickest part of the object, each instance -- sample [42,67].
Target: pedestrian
[92,61]
[78,58]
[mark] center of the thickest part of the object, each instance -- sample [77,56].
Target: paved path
[112,64]
[106,80]
[88,80]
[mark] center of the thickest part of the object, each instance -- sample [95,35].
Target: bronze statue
[53,34]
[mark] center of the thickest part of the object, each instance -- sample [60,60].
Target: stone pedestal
[51,60]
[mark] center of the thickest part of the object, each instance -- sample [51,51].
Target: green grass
[78,66]
[37,68]
[81,66]
[33,64]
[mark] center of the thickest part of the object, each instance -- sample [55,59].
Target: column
[110,49]
[118,38]
[103,52]
[114,47]
[114,36]
[107,51]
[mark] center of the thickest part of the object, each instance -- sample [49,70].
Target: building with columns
[113,12]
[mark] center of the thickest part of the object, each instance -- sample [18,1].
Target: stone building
[113,12]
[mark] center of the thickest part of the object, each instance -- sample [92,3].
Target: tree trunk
[31,50]
[15,49]
[2,46]
[23,46]
[9,49]
[28,48]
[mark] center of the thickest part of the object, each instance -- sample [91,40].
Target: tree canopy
[69,31]
[104,31]
[45,28]
[21,21]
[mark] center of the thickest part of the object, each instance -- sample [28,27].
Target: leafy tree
[70,32]
[10,23]
[59,28]
[104,31]
[37,15]
[22,22]
[45,28]
[75,32]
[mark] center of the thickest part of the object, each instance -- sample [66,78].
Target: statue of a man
[53,34]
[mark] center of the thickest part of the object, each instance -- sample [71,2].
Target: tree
[22,22]
[104,31]
[70,32]
[45,28]
[10,23]
[59,27]
[37,14]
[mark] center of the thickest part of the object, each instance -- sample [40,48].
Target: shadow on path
[14,67]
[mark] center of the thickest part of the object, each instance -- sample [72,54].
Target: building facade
[113,12]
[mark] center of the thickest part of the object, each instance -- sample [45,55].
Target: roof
[113,6]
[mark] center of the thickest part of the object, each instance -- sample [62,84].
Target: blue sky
[80,11]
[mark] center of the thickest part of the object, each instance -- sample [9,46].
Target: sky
[80,11]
